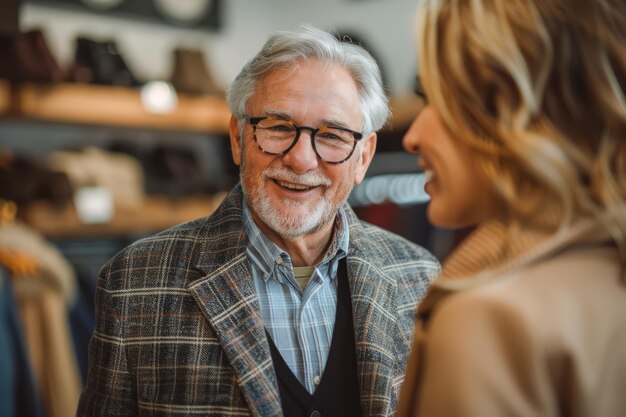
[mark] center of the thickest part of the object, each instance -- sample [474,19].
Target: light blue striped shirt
[299,322]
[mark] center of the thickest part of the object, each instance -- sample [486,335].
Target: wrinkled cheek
[252,181]
[342,194]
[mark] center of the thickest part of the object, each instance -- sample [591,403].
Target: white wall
[386,25]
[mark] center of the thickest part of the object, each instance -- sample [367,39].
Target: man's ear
[368,147]
[235,140]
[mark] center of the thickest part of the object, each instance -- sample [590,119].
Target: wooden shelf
[155,214]
[113,106]
[119,106]
[122,107]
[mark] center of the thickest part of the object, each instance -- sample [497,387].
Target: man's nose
[302,158]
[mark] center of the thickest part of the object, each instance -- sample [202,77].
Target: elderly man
[282,302]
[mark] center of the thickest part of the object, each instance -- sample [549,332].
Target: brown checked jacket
[179,330]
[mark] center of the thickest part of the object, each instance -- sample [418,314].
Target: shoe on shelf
[191,74]
[100,62]
[26,57]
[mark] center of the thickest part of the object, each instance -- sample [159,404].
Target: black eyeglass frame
[254,121]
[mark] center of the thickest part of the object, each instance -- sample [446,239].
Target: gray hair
[286,48]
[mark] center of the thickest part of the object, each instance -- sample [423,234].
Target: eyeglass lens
[275,136]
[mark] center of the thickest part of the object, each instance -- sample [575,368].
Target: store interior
[113,126]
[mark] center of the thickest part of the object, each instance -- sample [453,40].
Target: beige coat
[535,329]
[42,299]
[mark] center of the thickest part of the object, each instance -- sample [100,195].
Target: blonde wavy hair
[537,89]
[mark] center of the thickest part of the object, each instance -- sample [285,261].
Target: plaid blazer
[179,330]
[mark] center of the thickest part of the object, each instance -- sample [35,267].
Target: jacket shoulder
[395,248]
[410,266]
[182,253]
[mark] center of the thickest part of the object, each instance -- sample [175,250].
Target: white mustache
[310,179]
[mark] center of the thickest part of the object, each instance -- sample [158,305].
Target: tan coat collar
[494,249]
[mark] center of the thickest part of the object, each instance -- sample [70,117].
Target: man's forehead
[291,91]
[289,115]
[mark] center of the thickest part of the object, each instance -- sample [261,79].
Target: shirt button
[316,414]
[317,379]
[279,260]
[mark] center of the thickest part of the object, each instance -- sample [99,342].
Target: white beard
[289,225]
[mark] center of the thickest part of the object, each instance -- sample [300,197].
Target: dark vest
[338,391]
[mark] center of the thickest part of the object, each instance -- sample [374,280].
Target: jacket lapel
[227,297]
[375,323]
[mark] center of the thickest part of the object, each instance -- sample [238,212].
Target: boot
[26,57]
[100,63]
[191,74]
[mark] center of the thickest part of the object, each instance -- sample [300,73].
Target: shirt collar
[264,253]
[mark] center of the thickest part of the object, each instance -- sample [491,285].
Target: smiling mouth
[428,174]
[294,187]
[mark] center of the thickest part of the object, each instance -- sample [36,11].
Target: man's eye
[328,135]
[281,128]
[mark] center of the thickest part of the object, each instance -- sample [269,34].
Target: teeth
[292,186]
[428,175]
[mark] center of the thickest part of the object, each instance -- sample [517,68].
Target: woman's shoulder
[578,292]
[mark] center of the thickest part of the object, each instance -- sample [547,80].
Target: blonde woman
[523,136]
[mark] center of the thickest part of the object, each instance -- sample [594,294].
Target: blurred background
[113,126]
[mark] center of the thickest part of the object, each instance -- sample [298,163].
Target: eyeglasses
[277,136]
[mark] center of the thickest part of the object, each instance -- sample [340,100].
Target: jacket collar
[227,297]
[495,249]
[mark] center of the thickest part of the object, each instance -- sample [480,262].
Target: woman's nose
[411,137]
